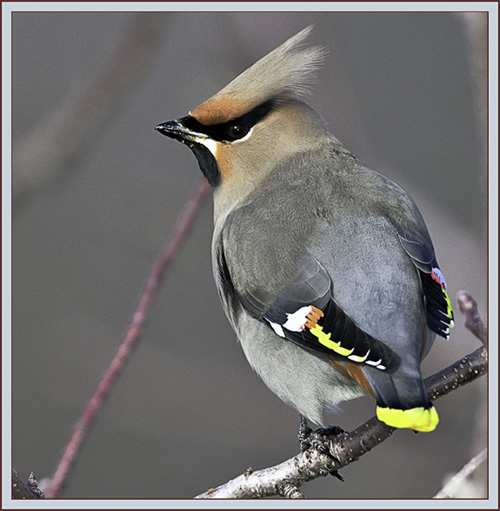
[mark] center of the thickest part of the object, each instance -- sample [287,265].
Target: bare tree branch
[346,447]
[289,491]
[45,149]
[25,490]
[130,340]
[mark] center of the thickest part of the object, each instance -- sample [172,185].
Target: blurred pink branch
[181,229]
[475,25]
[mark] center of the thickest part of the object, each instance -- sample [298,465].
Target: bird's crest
[284,73]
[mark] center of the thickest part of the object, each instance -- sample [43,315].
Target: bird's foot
[317,439]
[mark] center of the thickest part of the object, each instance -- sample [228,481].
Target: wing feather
[437,302]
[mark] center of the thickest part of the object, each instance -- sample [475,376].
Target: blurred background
[96,192]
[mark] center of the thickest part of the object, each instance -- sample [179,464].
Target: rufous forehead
[219,110]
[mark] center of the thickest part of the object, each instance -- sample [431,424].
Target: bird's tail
[402,401]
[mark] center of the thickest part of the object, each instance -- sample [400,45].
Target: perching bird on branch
[324,267]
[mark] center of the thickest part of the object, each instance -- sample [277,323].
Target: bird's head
[245,130]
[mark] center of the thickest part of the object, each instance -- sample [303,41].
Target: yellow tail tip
[418,419]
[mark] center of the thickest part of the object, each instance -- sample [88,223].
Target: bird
[325,268]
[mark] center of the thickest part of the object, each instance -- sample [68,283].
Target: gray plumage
[348,232]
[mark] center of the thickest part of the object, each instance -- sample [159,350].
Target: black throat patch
[208,164]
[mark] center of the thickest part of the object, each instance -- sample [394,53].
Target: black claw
[316,439]
[304,434]
[335,473]
[321,447]
[332,431]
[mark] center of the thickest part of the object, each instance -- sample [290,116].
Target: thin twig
[459,479]
[130,340]
[473,321]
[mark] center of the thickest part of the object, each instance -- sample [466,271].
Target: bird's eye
[237,131]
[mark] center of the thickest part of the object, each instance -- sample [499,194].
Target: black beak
[173,129]
[185,130]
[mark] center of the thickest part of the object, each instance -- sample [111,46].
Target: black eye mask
[231,130]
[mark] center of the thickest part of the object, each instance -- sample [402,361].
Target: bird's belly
[305,381]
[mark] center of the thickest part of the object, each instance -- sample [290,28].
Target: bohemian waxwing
[324,267]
